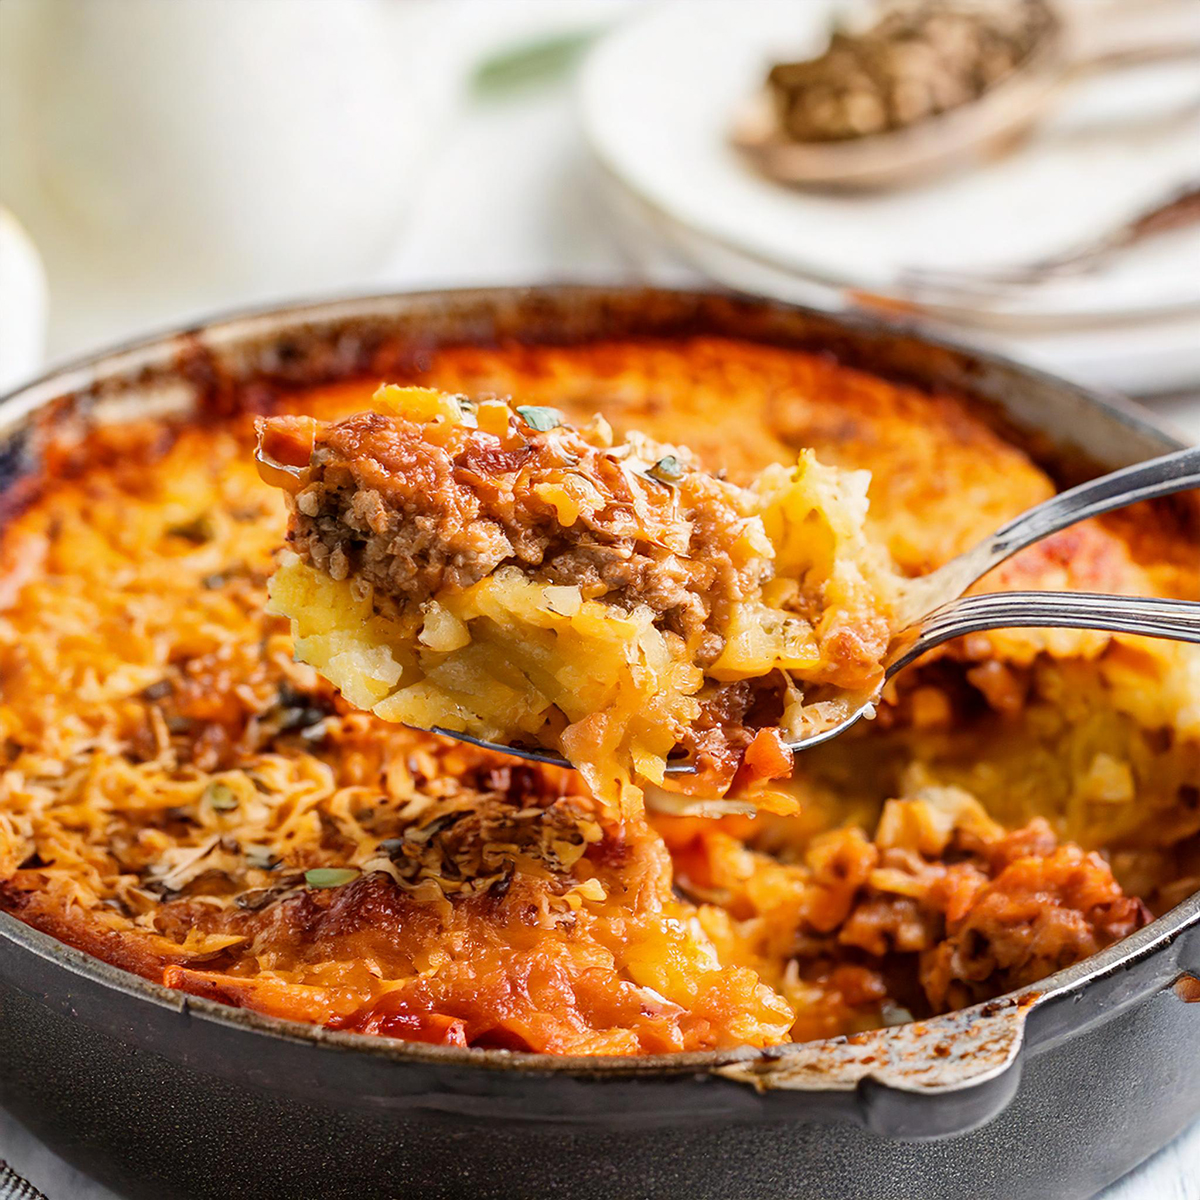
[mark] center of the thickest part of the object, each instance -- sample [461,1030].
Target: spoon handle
[1150,616]
[1175,472]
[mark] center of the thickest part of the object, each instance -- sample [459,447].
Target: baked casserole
[181,797]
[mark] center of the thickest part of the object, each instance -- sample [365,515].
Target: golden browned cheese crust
[180,797]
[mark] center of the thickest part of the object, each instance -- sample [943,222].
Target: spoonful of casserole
[494,574]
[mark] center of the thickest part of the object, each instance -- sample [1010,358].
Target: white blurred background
[172,159]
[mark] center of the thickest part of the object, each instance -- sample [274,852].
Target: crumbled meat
[411,509]
[1040,910]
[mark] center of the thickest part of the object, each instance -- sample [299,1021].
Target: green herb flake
[327,877]
[221,797]
[668,469]
[539,418]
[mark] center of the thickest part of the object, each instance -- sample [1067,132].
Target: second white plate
[658,96]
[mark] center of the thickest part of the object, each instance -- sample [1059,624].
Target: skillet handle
[928,1079]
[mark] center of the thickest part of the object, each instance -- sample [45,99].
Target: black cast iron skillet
[1048,1093]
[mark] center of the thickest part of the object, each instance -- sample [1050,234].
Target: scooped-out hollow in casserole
[498,572]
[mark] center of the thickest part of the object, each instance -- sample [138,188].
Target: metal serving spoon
[932,609]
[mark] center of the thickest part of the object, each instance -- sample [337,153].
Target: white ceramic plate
[658,96]
[1143,358]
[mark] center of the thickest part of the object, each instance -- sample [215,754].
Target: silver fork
[933,610]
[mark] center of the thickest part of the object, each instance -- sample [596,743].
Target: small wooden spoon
[983,128]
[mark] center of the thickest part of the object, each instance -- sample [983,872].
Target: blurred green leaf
[530,63]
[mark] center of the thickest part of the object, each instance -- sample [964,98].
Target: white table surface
[538,218]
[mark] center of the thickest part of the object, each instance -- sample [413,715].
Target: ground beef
[1038,910]
[411,509]
[990,915]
